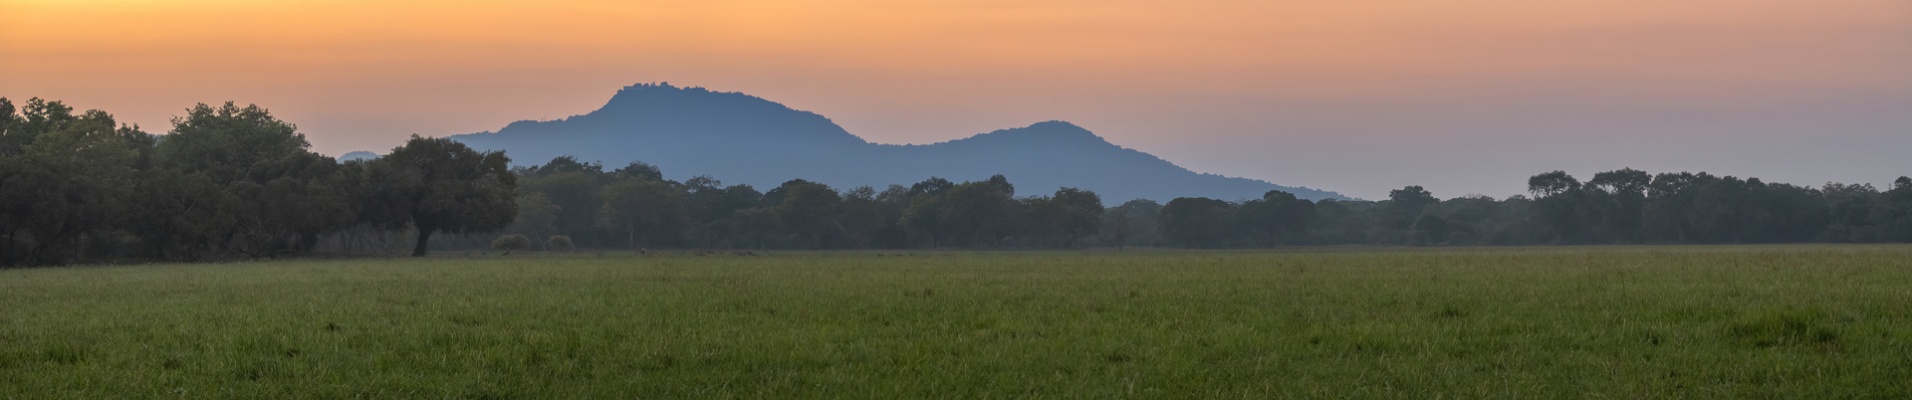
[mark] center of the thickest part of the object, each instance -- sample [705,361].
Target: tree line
[225,182]
[1625,206]
[635,207]
[233,182]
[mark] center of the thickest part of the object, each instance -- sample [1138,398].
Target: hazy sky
[1357,96]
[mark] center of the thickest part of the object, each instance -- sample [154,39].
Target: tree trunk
[424,236]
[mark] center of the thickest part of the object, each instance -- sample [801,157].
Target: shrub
[511,242]
[558,242]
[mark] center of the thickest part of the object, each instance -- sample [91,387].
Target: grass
[1600,322]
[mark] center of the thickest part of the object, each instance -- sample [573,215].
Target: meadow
[1816,321]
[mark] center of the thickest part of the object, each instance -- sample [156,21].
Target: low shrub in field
[559,243]
[511,242]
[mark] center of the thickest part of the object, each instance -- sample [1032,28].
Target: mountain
[738,138]
[357,155]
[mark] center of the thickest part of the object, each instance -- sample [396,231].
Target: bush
[558,242]
[511,242]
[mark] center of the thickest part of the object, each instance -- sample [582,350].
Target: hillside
[739,138]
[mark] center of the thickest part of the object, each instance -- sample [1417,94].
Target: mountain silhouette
[357,155]
[738,138]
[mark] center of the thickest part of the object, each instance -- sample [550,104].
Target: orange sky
[1343,95]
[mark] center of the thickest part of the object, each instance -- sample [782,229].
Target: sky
[1463,97]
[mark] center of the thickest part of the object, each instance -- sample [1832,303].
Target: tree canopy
[437,185]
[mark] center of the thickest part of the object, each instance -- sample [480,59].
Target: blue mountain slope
[357,155]
[739,138]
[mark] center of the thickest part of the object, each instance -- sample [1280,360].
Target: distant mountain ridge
[738,138]
[357,155]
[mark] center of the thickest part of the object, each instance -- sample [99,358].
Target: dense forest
[233,182]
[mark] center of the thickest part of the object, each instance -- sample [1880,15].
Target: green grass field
[1597,322]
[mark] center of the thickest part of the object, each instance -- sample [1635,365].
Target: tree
[1001,184]
[567,164]
[439,185]
[507,243]
[755,226]
[1559,199]
[1132,224]
[179,215]
[922,219]
[1791,213]
[1083,217]
[1552,183]
[63,181]
[711,206]
[1476,219]
[868,221]
[1621,197]
[640,171]
[978,214]
[1893,212]
[1429,229]
[1278,217]
[1670,201]
[1718,211]
[1850,211]
[1042,220]
[282,195]
[537,216]
[1198,221]
[1406,203]
[708,200]
[933,186]
[643,209]
[1340,223]
[559,243]
[8,120]
[573,187]
[1120,222]
[1066,217]
[809,210]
